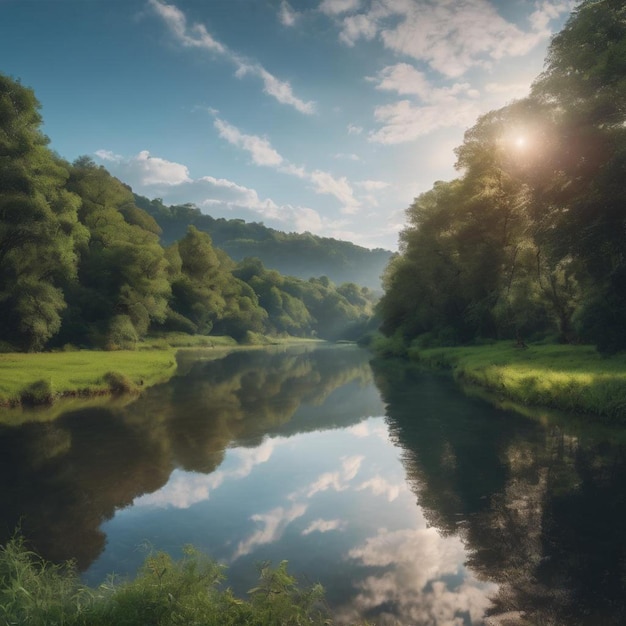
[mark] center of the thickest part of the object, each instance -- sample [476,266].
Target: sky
[327,116]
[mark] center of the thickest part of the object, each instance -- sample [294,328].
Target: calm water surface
[409,501]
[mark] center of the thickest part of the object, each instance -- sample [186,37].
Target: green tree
[123,270]
[39,230]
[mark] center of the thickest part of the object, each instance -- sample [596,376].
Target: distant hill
[301,255]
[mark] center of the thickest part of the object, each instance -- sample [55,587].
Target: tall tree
[123,282]
[38,224]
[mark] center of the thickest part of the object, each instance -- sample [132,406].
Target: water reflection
[540,510]
[61,480]
[292,455]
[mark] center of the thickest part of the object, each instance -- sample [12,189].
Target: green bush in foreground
[164,592]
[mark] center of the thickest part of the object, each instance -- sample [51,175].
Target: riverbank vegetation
[188,591]
[529,242]
[571,378]
[82,264]
[297,254]
[41,378]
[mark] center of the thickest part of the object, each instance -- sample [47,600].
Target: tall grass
[571,378]
[164,592]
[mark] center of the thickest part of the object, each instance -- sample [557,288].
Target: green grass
[165,592]
[571,378]
[43,377]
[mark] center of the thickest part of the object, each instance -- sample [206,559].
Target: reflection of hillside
[540,511]
[63,479]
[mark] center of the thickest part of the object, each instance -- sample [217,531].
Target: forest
[528,243]
[82,265]
[297,254]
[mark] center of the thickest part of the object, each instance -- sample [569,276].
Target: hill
[301,255]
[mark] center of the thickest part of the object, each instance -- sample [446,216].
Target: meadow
[567,377]
[43,377]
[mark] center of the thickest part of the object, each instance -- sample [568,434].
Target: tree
[39,230]
[122,274]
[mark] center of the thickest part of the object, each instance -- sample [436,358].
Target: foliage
[164,592]
[572,378]
[81,261]
[38,224]
[297,254]
[529,241]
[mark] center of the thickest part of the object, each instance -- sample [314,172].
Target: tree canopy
[82,263]
[530,240]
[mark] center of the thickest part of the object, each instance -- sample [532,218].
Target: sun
[520,142]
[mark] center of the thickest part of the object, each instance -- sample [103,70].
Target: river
[410,501]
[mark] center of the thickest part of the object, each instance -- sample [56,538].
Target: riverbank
[165,592]
[570,378]
[31,379]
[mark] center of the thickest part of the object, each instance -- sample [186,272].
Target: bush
[39,392]
[122,334]
[119,383]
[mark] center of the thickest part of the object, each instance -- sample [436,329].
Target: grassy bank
[165,592]
[571,378]
[42,378]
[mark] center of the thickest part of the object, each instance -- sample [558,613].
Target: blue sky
[321,115]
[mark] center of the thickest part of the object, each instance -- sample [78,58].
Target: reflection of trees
[64,478]
[541,511]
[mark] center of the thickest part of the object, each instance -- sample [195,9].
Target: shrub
[122,334]
[39,392]
[119,383]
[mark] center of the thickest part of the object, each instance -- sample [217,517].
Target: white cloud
[450,36]
[336,7]
[259,148]
[416,564]
[145,170]
[365,429]
[156,177]
[372,185]
[512,91]
[381,487]
[273,525]
[196,36]
[326,183]
[286,14]
[455,105]
[336,480]
[263,153]
[323,526]
[182,490]
[356,27]
[404,79]
[354,130]
[279,89]
[349,157]
[403,121]
[107,155]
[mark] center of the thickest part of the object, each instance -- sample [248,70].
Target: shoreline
[571,378]
[29,381]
